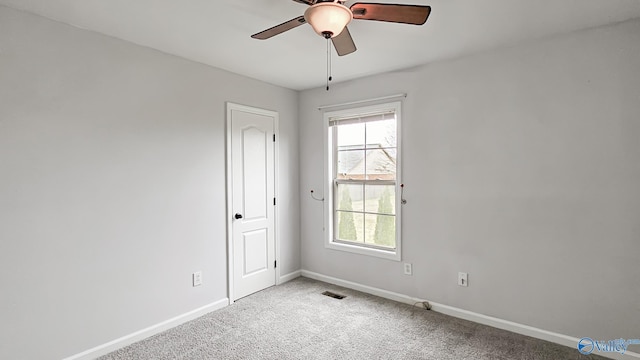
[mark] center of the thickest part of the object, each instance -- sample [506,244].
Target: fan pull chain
[329,77]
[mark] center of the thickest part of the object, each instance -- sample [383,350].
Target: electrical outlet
[197,278]
[408,269]
[463,279]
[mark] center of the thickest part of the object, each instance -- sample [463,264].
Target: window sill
[384,254]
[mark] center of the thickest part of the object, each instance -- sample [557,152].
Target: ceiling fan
[329,19]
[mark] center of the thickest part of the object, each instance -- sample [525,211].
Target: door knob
[238,216]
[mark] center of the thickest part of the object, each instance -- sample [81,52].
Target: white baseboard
[290,276]
[150,331]
[517,328]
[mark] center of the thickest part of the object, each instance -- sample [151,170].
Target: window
[362,163]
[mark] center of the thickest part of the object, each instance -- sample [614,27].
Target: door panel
[252,189]
[255,172]
[256,252]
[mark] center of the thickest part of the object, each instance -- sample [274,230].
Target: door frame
[230,106]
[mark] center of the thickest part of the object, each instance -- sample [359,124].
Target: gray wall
[112,185]
[522,168]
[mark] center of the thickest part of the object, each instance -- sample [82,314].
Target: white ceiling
[217,32]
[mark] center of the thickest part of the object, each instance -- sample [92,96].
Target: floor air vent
[334,295]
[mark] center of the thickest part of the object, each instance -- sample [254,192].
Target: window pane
[380,230]
[350,197]
[380,199]
[363,165]
[381,164]
[350,136]
[351,164]
[349,226]
[381,134]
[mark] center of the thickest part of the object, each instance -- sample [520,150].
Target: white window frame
[329,165]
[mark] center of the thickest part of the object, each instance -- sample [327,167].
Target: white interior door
[252,200]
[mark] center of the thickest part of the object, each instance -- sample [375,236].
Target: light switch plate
[463,279]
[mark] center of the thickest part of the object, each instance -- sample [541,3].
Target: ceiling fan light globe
[329,17]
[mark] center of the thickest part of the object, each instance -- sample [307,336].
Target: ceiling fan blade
[344,43]
[278,29]
[308,2]
[398,13]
